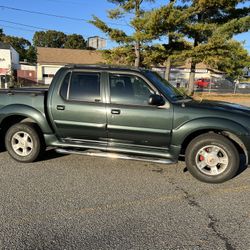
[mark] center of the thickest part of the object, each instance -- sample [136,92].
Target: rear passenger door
[78,109]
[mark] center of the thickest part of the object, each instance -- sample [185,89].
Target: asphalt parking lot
[79,202]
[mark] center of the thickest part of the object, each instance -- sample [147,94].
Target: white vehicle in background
[244,85]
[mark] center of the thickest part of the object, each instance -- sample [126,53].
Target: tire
[212,158]
[24,143]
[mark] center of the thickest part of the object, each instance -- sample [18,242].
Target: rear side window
[85,87]
[64,86]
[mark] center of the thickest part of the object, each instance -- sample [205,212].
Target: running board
[115,156]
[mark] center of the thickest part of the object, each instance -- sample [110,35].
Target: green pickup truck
[125,113]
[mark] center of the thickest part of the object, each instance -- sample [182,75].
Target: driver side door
[131,122]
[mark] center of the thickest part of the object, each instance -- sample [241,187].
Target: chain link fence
[214,85]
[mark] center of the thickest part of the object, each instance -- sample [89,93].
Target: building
[9,62]
[246,72]
[179,75]
[26,74]
[97,42]
[49,60]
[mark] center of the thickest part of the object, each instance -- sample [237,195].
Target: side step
[115,156]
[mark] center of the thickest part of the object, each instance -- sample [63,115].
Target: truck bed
[34,97]
[24,90]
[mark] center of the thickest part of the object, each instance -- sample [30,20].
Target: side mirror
[156,100]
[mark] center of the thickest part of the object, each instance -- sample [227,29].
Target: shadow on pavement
[50,154]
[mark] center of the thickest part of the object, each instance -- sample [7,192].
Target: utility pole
[137,42]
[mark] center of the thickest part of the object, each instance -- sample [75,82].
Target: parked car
[205,83]
[244,85]
[125,113]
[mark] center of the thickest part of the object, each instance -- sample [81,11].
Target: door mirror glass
[156,100]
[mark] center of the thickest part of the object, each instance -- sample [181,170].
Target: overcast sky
[13,21]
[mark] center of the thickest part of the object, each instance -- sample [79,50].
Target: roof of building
[68,56]
[4,45]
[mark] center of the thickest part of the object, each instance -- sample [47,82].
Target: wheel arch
[11,113]
[231,136]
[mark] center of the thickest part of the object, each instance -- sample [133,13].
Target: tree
[31,54]
[50,39]
[20,44]
[132,8]
[165,21]
[75,41]
[231,59]
[210,26]
[1,34]
[57,39]
[123,55]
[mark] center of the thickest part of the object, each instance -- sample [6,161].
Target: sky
[13,22]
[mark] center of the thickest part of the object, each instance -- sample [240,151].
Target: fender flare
[180,133]
[26,111]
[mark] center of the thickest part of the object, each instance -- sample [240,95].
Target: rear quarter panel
[28,105]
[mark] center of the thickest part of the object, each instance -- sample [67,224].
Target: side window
[129,89]
[85,87]
[64,86]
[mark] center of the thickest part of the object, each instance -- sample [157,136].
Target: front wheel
[23,142]
[212,158]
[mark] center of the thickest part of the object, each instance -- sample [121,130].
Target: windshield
[165,87]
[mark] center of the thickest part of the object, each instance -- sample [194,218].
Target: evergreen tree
[165,22]
[210,26]
[123,55]
[197,30]
[132,8]
[231,58]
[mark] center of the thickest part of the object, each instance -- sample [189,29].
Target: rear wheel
[212,158]
[23,142]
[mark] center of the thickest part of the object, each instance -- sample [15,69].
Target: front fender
[180,133]
[26,111]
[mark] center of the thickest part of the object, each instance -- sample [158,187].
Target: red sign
[3,71]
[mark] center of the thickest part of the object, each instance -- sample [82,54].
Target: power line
[31,26]
[65,2]
[53,15]
[35,27]
[16,28]
[26,25]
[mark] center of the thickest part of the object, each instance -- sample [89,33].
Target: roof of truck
[103,67]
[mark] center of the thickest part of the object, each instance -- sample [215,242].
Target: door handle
[60,107]
[115,111]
